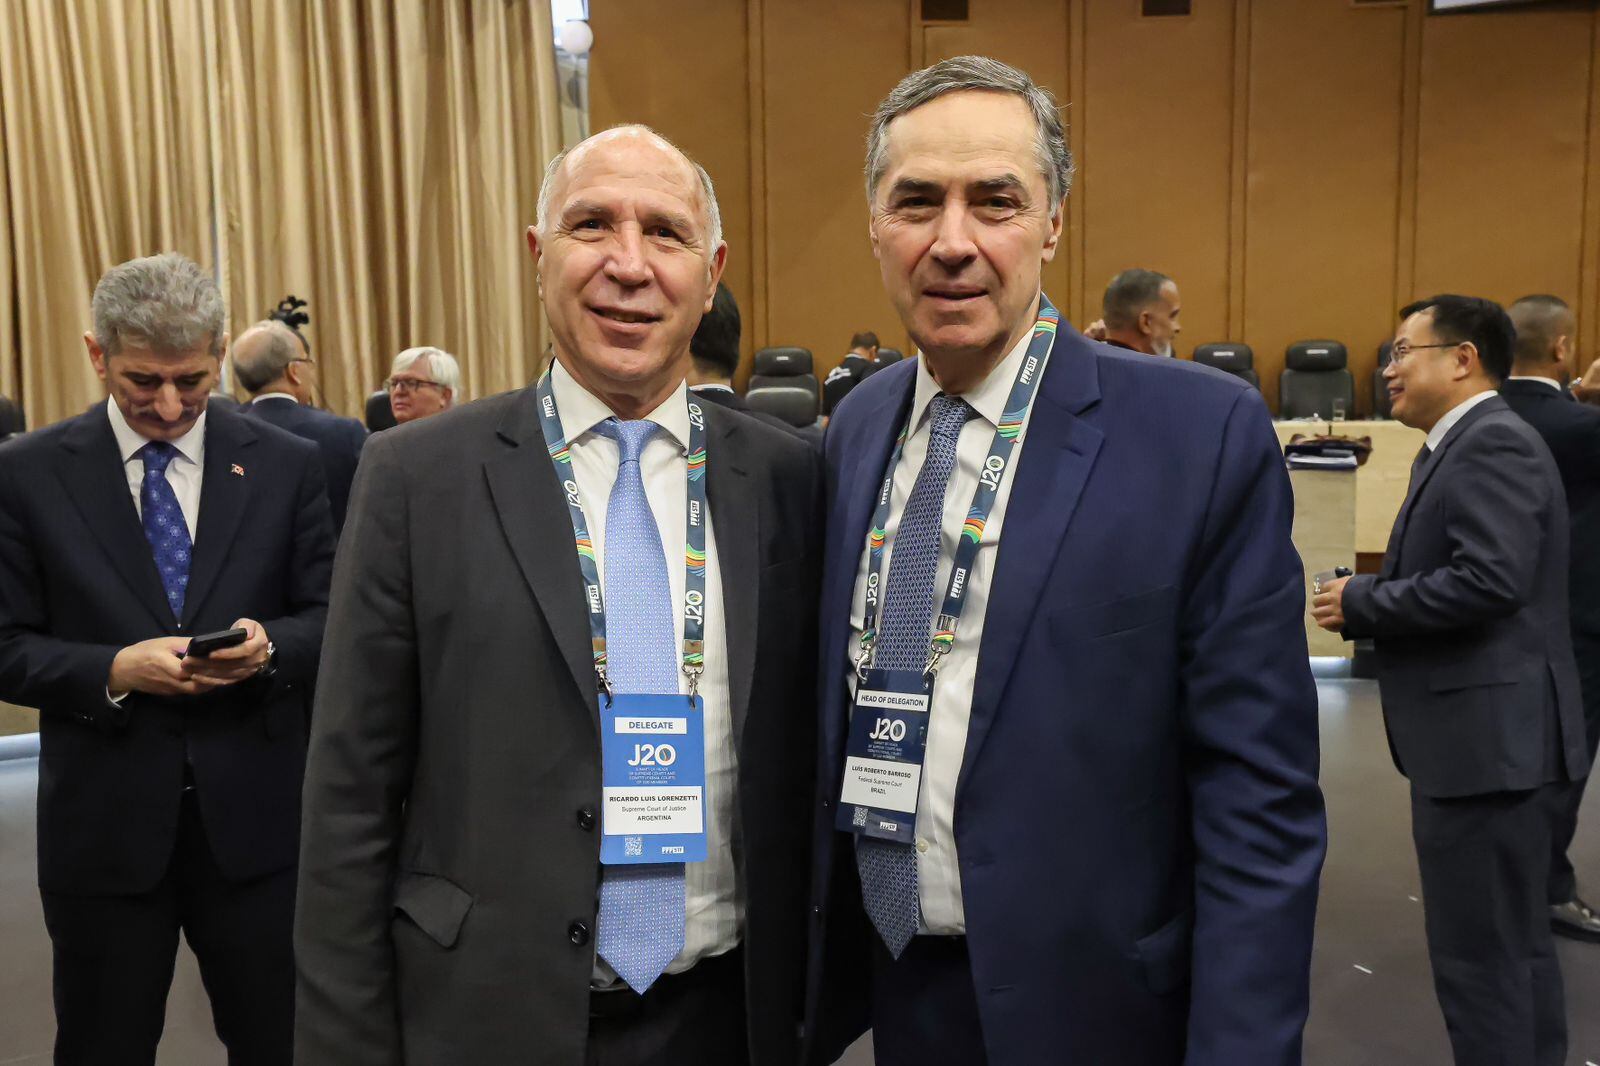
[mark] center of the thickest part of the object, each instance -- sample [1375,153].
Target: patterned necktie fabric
[642,907]
[164,525]
[888,868]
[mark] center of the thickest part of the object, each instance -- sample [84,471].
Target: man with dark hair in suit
[169,783]
[1069,807]
[275,368]
[562,748]
[858,364]
[1536,390]
[714,357]
[1480,692]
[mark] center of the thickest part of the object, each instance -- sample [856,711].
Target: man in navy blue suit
[169,783]
[273,364]
[1068,804]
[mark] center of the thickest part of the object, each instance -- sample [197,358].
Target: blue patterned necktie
[164,525]
[889,869]
[642,915]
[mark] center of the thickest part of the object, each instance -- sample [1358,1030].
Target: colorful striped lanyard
[694,583]
[983,498]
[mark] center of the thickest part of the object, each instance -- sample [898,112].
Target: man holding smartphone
[171,754]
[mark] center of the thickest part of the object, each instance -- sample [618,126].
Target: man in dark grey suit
[1480,691]
[513,571]
[273,365]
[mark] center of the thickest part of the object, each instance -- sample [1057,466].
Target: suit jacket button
[578,933]
[586,819]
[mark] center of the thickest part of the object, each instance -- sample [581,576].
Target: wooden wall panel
[1157,119]
[1028,35]
[1501,154]
[1323,188]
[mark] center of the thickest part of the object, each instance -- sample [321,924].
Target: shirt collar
[192,445]
[1552,382]
[581,410]
[275,396]
[1442,428]
[989,396]
[714,386]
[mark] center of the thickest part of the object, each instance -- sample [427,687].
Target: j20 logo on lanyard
[653,755]
[993,467]
[572,492]
[694,606]
[696,418]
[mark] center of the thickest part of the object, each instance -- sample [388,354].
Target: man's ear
[97,357]
[1466,358]
[1053,241]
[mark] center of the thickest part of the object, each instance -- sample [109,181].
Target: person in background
[272,361]
[1541,367]
[859,363]
[422,382]
[11,419]
[1140,313]
[714,357]
[1468,616]
[169,783]
[1107,850]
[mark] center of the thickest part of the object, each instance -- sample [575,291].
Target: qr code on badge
[859,819]
[632,846]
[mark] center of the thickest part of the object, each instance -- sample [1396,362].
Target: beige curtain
[103,118]
[380,160]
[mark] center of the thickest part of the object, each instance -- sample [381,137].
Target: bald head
[635,140]
[267,357]
[1545,327]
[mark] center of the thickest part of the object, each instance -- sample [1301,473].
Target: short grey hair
[162,302]
[259,364]
[708,191]
[966,73]
[1129,293]
[441,364]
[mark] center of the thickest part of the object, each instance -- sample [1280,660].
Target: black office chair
[1380,387]
[889,355]
[783,385]
[1235,359]
[380,414]
[1316,375]
[12,421]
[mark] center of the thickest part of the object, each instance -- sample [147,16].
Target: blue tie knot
[631,437]
[948,414]
[157,455]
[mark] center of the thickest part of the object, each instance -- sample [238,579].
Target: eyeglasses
[1401,352]
[404,385]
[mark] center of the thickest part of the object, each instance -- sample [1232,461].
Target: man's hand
[229,666]
[1096,330]
[1327,605]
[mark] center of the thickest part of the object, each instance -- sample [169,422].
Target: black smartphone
[206,643]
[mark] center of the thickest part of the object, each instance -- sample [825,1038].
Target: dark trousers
[1484,861]
[1566,799]
[694,1017]
[114,957]
[924,1007]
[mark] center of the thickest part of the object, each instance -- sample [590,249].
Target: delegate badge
[883,761]
[653,779]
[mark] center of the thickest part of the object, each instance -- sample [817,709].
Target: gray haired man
[169,774]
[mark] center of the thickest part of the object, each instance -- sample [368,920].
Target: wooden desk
[1324,535]
[1380,484]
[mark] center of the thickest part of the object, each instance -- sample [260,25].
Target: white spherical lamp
[576,37]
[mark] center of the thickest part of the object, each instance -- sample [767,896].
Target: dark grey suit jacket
[451,847]
[1469,616]
[340,441]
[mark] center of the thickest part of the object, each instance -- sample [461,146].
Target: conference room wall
[1302,167]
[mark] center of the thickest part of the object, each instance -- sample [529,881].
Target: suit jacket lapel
[97,484]
[736,520]
[1391,555]
[1058,455]
[531,507]
[224,497]
[862,466]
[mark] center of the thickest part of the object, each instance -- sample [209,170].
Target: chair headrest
[1230,357]
[783,362]
[890,355]
[380,414]
[795,405]
[1385,354]
[1316,355]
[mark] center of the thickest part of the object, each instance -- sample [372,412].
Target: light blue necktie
[642,913]
[164,525]
[889,869]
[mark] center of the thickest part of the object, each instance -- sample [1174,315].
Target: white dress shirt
[184,473]
[938,868]
[714,911]
[1437,434]
[1552,382]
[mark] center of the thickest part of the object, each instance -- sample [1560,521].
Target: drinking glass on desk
[1338,410]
